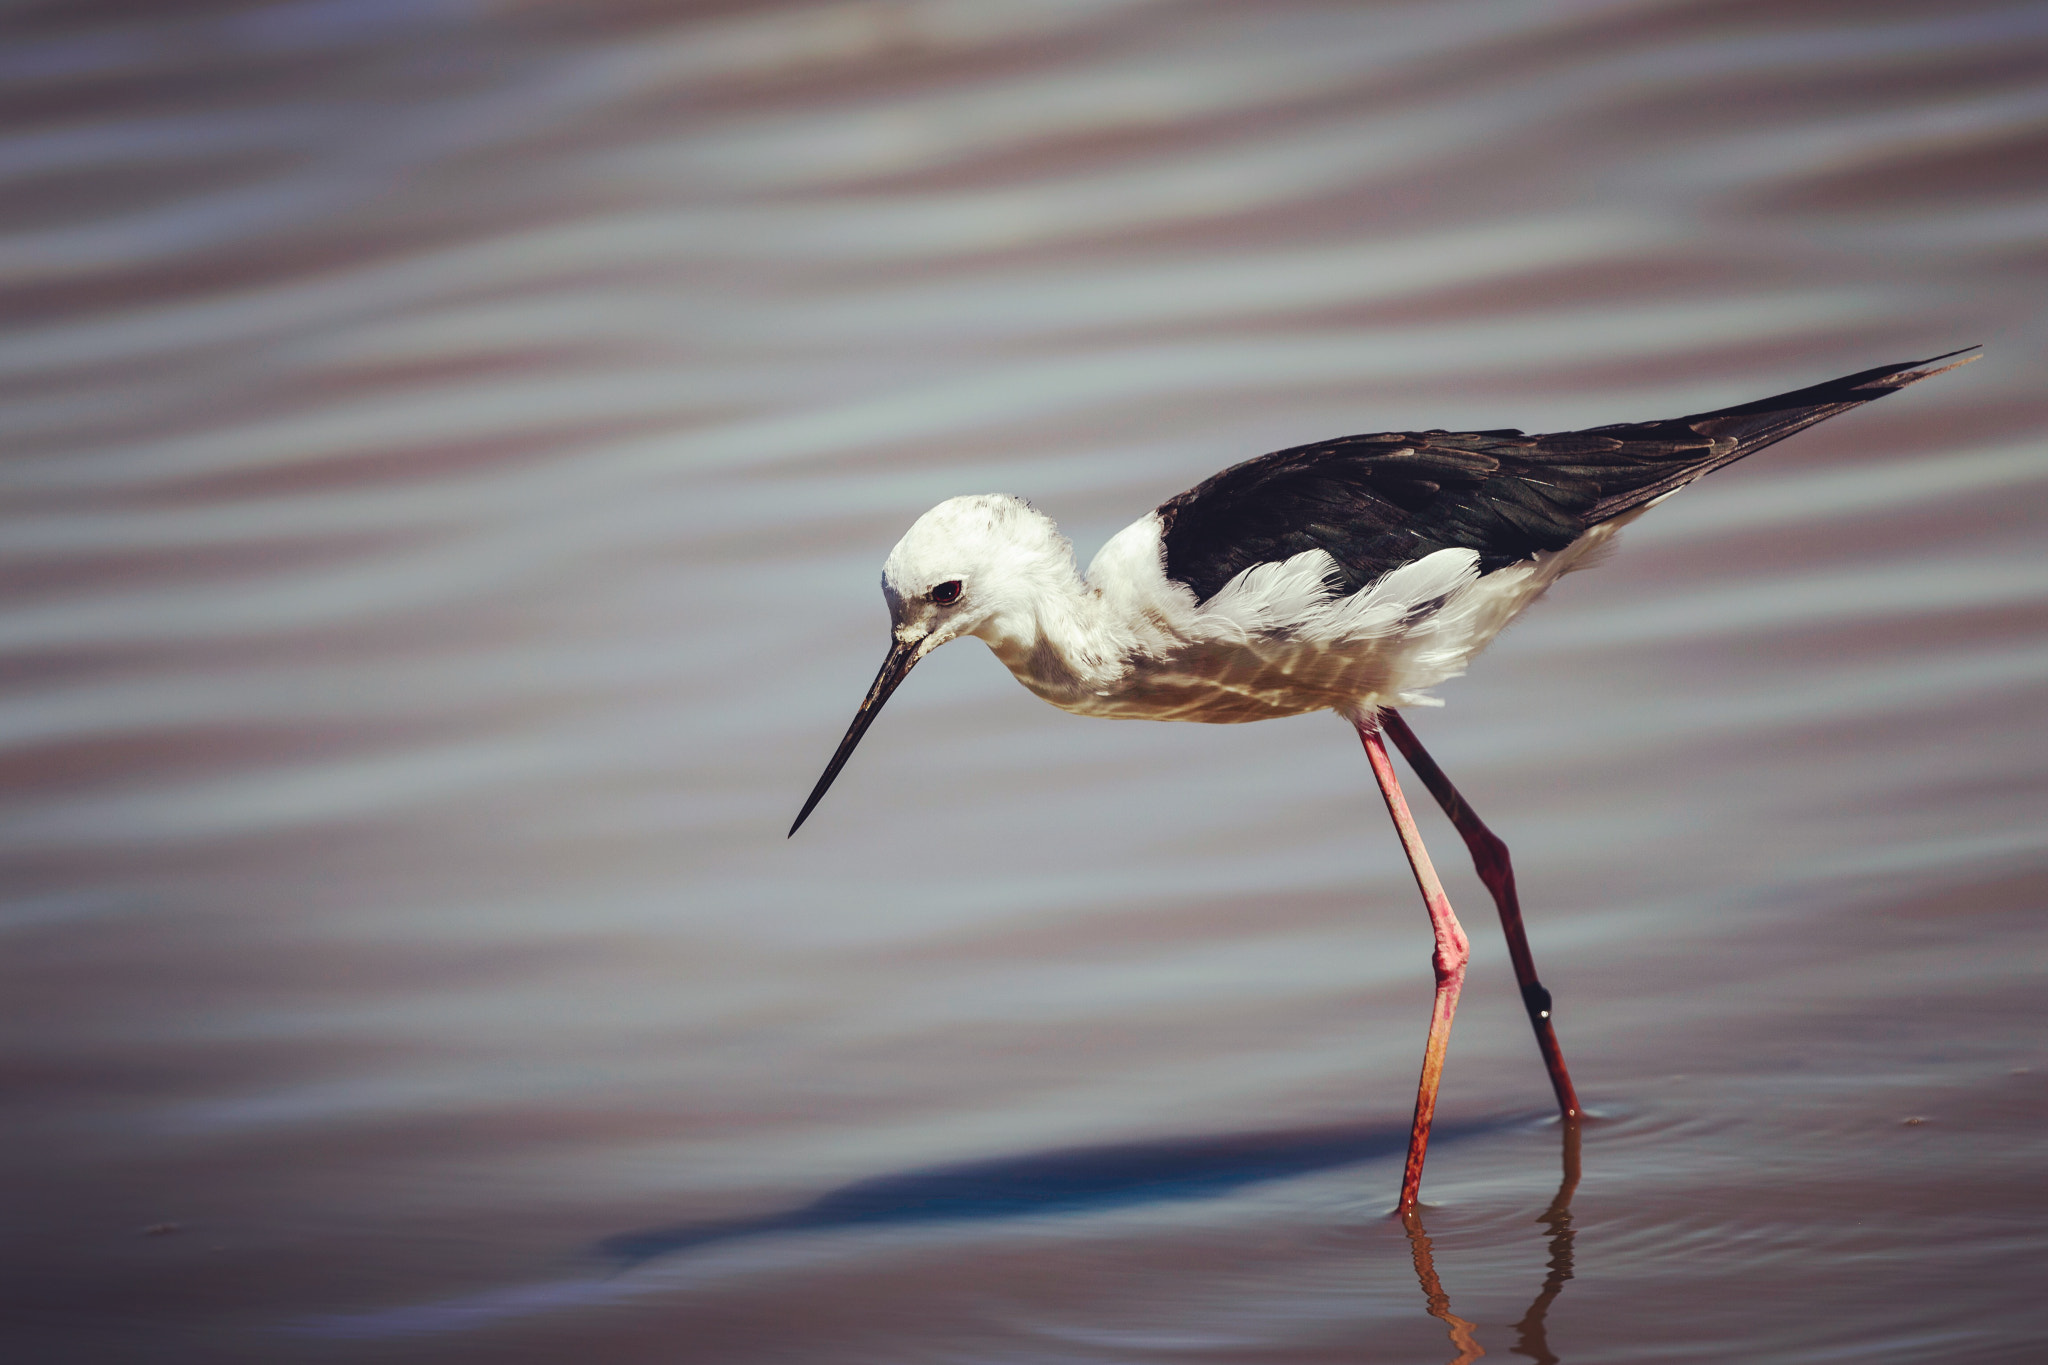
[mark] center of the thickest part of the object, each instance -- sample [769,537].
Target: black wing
[1380,501]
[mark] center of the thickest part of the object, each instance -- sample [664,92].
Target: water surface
[451,450]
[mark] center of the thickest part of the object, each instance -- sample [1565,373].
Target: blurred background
[451,449]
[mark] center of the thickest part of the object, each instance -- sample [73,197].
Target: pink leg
[1452,952]
[1490,857]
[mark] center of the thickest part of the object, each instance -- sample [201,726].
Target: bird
[1350,575]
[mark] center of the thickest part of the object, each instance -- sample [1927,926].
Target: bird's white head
[966,565]
[978,565]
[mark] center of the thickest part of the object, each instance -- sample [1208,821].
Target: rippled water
[451,449]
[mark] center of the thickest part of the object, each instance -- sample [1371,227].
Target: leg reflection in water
[1530,1338]
[1438,1302]
[1529,1335]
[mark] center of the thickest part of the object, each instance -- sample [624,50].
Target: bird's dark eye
[946,594]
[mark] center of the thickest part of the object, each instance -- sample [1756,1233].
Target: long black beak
[894,669]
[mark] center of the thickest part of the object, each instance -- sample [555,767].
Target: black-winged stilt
[1348,576]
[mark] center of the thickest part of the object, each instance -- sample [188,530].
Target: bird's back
[1376,502]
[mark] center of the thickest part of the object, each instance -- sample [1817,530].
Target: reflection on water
[1433,1295]
[450,450]
[1530,1338]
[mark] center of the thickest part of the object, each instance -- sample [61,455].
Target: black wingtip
[1748,427]
[1892,378]
[1848,391]
[1914,371]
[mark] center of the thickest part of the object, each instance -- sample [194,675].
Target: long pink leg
[1490,858]
[1452,952]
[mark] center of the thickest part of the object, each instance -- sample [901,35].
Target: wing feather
[1373,503]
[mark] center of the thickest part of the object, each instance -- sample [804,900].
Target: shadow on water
[1068,1181]
[1071,1180]
[1074,1180]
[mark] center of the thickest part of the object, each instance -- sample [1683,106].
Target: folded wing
[1376,502]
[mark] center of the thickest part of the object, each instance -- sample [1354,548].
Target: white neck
[1066,637]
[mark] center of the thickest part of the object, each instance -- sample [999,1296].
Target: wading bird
[1351,576]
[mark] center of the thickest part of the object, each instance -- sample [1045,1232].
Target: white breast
[1275,642]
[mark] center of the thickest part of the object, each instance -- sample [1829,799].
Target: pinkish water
[452,445]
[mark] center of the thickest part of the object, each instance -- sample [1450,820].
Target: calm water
[451,449]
